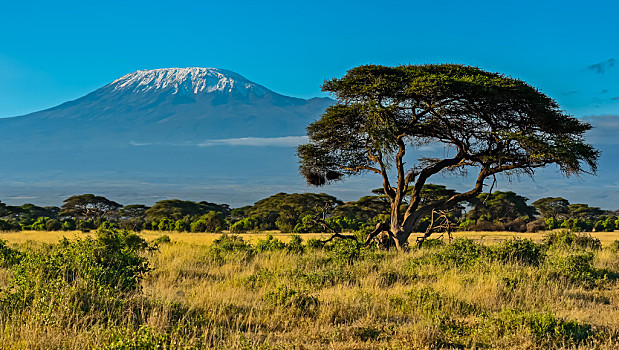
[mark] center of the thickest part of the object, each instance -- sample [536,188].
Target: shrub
[162,240]
[536,225]
[53,225]
[39,224]
[544,326]
[68,225]
[295,245]
[79,276]
[461,252]
[8,255]
[244,225]
[211,222]
[516,250]
[84,226]
[430,303]
[570,239]
[269,244]
[9,225]
[314,243]
[575,267]
[344,251]
[143,338]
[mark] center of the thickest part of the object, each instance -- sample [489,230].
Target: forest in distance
[306,213]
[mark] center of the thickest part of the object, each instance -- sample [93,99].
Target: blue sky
[51,52]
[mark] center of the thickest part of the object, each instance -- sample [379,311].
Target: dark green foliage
[86,275]
[89,207]
[314,243]
[244,225]
[461,252]
[545,326]
[9,225]
[230,243]
[282,211]
[53,225]
[522,251]
[295,245]
[162,240]
[344,251]
[209,222]
[175,209]
[570,239]
[501,206]
[614,246]
[84,226]
[230,246]
[552,207]
[574,267]
[8,255]
[269,244]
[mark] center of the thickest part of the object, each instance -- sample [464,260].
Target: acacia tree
[488,124]
[88,206]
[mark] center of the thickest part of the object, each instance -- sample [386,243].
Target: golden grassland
[200,295]
[490,237]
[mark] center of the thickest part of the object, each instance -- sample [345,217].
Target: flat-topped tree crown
[487,122]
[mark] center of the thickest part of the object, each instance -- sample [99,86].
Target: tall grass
[276,293]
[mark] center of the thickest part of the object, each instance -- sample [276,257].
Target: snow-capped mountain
[174,105]
[186,81]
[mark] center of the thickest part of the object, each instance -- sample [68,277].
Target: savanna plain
[114,289]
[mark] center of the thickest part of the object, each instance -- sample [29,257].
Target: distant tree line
[309,212]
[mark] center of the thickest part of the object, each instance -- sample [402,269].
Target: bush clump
[8,255]
[543,326]
[571,240]
[522,251]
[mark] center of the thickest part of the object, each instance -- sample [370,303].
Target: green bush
[162,240]
[211,222]
[295,245]
[344,251]
[574,267]
[75,278]
[543,326]
[8,255]
[230,247]
[269,244]
[9,225]
[244,225]
[570,239]
[460,252]
[144,338]
[53,225]
[523,251]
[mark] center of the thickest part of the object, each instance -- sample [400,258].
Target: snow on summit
[186,81]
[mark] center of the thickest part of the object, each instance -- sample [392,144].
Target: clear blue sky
[55,51]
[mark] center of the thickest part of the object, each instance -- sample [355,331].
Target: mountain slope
[176,105]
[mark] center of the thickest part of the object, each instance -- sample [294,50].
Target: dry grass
[378,300]
[208,238]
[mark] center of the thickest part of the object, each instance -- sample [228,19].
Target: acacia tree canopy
[488,123]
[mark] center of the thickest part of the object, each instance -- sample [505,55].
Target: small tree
[487,124]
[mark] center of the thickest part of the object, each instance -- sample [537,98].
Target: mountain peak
[186,81]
